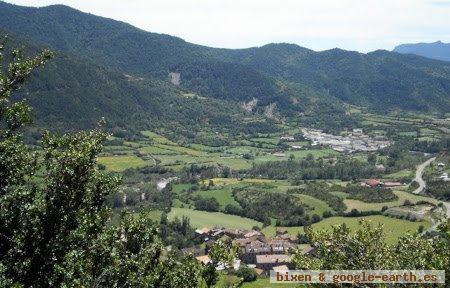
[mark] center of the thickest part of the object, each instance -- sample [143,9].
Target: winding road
[419,173]
[422,184]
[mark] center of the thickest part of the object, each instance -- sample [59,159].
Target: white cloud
[318,24]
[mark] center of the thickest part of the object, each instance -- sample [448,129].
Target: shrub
[247,274]
[207,204]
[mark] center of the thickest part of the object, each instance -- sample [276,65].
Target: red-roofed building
[373,183]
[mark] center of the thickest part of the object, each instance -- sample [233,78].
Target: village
[352,142]
[255,249]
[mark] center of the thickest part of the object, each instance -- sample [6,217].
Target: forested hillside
[136,51]
[73,93]
[381,80]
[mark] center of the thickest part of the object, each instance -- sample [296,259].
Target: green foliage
[93,92]
[54,220]
[373,79]
[367,249]
[221,253]
[247,274]
[178,233]
[207,204]
[310,169]
[439,189]
[370,195]
[262,206]
[322,191]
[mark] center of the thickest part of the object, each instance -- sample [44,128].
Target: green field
[233,181]
[400,174]
[318,205]
[393,228]
[297,154]
[157,138]
[121,162]
[200,219]
[156,150]
[263,185]
[222,195]
[162,151]
[402,196]
[177,188]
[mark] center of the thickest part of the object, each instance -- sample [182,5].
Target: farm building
[373,183]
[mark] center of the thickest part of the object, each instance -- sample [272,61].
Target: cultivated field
[200,219]
[155,149]
[119,163]
[222,195]
[394,228]
[402,196]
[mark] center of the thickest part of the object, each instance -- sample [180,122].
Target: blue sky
[362,25]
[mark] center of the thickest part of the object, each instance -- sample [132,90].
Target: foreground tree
[222,253]
[53,219]
[366,248]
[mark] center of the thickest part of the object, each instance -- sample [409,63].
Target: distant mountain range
[436,50]
[110,68]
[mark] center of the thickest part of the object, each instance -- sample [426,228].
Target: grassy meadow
[200,219]
[393,228]
[402,196]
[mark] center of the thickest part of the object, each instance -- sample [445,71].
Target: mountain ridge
[380,80]
[435,50]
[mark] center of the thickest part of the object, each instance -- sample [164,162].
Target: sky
[361,25]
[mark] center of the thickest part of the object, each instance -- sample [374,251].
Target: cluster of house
[444,177]
[354,141]
[256,251]
[374,183]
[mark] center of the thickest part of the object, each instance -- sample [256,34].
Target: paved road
[419,173]
[422,184]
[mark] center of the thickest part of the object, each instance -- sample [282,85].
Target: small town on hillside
[255,249]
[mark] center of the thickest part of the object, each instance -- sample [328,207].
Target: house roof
[280,268]
[372,182]
[259,271]
[204,259]
[272,258]
[234,232]
[252,233]
[257,246]
[202,231]
[242,241]
[308,249]
[217,232]
[205,230]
